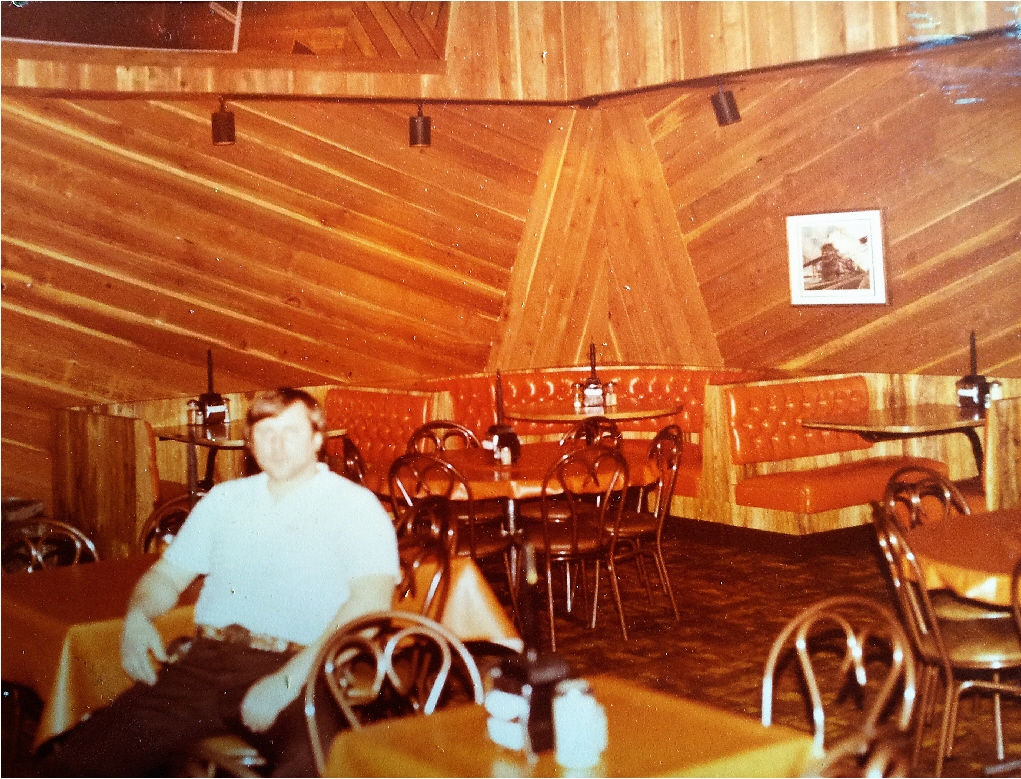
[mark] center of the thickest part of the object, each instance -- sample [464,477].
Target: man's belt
[240,635]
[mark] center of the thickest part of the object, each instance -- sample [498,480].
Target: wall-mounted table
[896,422]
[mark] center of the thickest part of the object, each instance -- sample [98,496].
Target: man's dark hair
[270,403]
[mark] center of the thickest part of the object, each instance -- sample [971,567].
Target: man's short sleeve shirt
[282,567]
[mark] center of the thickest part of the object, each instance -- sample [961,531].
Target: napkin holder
[972,393]
[535,681]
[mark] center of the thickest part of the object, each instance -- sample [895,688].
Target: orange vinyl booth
[473,402]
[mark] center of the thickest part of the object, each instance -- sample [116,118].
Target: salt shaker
[579,724]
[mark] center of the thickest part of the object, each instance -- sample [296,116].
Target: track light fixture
[419,129]
[223,126]
[725,107]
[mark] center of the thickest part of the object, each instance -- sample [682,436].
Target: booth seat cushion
[827,488]
[765,419]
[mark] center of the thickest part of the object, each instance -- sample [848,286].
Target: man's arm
[156,593]
[268,696]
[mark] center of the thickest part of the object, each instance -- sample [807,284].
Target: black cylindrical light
[725,107]
[419,130]
[223,126]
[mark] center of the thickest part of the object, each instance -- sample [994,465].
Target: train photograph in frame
[836,258]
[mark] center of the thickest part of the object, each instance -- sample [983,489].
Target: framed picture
[836,258]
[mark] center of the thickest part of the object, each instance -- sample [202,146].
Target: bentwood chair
[917,496]
[961,652]
[37,543]
[875,659]
[427,535]
[348,462]
[384,665]
[644,523]
[440,435]
[593,430]
[415,477]
[590,483]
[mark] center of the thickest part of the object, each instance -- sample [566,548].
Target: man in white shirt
[288,555]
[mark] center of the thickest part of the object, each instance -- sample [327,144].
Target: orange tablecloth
[650,734]
[973,556]
[61,630]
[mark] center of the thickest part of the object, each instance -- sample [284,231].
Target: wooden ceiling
[321,248]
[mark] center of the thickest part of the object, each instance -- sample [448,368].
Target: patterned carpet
[735,590]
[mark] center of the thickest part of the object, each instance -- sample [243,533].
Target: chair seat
[978,644]
[636,523]
[950,607]
[561,542]
[489,540]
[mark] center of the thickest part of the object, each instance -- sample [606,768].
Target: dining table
[650,733]
[907,421]
[61,628]
[624,409]
[973,555]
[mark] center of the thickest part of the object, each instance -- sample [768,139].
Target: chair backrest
[593,430]
[665,459]
[383,665]
[591,482]
[884,753]
[427,539]
[348,462]
[415,476]
[34,544]
[1015,595]
[909,584]
[919,496]
[163,525]
[440,435]
[855,625]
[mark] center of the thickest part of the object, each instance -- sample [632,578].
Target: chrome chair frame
[834,612]
[430,649]
[438,435]
[645,522]
[936,638]
[33,543]
[581,503]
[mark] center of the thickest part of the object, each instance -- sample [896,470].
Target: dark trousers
[148,728]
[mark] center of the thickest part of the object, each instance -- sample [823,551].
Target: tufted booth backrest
[474,404]
[765,419]
[378,421]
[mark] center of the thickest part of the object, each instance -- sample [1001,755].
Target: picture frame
[836,259]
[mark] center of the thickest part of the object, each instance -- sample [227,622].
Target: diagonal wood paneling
[321,248]
[931,142]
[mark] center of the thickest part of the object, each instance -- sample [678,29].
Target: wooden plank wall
[321,249]
[533,50]
[931,142]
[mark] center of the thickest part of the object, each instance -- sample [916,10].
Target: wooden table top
[624,410]
[229,436]
[898,420]
[650,734]
[972,555]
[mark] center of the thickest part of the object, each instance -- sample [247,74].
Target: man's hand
[267,698]
[139,641]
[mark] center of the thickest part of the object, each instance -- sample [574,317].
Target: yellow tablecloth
[650,734]
[61,630]
[973,556]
